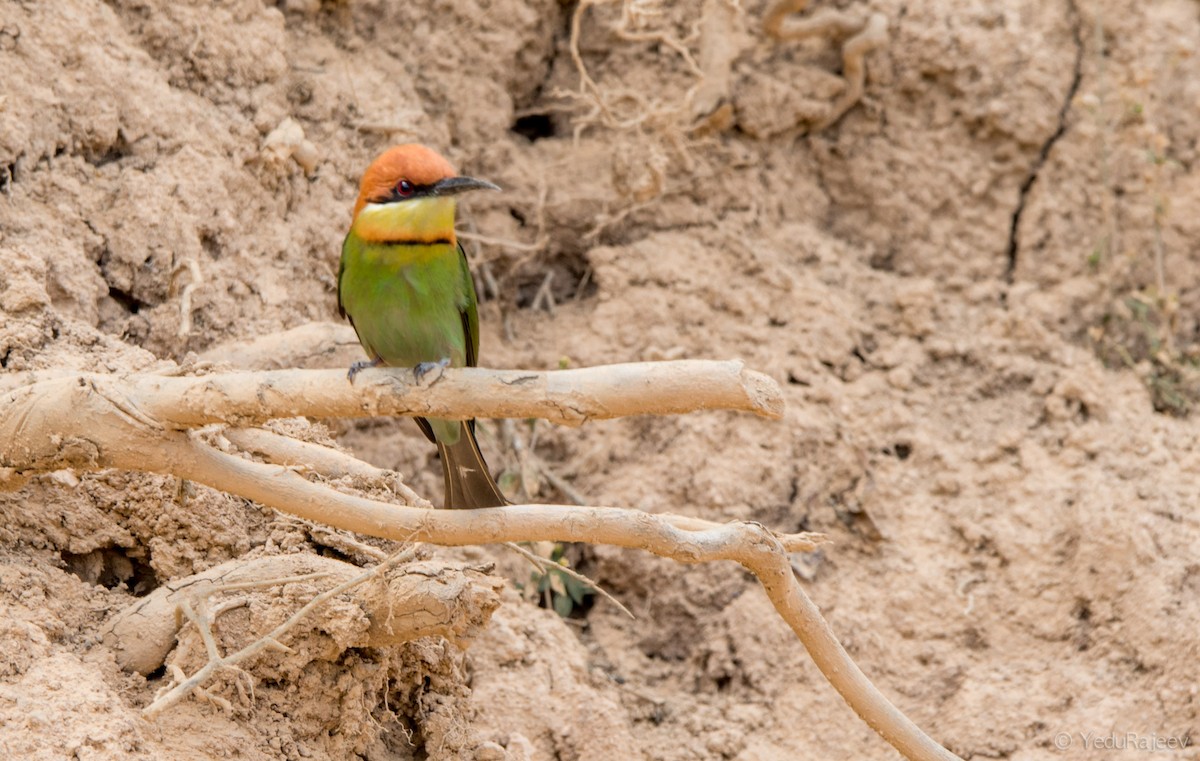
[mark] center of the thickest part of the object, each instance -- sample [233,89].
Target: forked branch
[91,422]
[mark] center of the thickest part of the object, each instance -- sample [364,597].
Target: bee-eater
[406,287]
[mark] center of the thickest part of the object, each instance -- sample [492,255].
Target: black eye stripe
[394,195]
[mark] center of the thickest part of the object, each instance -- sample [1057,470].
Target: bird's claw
[424,368]
[358,367]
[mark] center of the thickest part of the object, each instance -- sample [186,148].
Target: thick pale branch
[285,489]
[568,397]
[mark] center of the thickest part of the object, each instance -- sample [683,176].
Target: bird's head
[408,195]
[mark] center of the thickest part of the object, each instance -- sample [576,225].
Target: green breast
[407,301]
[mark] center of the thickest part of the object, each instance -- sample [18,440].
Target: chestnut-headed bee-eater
[406,287]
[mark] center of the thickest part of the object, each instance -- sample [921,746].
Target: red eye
[404,188]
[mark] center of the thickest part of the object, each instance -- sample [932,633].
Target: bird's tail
[469,484]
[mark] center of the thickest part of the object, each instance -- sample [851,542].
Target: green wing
[470,311]
[470,318]
[342,271]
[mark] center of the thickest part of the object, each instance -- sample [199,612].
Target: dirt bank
[979,289]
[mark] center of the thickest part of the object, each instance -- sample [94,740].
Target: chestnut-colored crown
[411,161]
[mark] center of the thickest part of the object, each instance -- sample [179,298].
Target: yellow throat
[417,220]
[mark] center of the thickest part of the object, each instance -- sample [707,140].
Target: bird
[404,284]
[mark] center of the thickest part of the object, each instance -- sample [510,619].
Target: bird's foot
[424,368]
[358,367]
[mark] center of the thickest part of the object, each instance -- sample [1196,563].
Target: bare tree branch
[91,422]
[567,397]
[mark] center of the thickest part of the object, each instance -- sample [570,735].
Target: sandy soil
[979,290]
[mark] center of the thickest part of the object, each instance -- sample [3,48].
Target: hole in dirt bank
[884,261]
[560,280]
[534,127]
[126,300]
[1083,618]
[211,244]
[112,567]
[119,149]
[8,175]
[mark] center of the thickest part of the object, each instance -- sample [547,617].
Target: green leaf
[576,589]
[557,585]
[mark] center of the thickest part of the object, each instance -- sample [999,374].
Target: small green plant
[1139,334]
[1142,330]
[556,589]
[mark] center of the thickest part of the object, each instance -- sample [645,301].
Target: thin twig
[544,297]
[487,240]
[567,570]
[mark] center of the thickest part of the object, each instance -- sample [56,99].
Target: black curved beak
[455,185]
